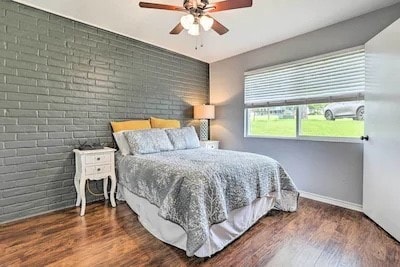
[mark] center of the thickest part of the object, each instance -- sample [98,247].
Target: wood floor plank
[316,235]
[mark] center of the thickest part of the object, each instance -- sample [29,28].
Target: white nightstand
[94,165]
[209,144]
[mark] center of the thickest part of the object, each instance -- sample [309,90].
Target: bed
[200,200]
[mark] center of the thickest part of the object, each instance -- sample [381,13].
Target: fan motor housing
[192,5]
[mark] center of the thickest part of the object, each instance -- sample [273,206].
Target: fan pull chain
[197,41]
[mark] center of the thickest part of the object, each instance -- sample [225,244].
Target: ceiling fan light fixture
[206,22]
[187,21]
[197,14]
[194,29]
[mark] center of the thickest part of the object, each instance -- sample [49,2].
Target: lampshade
[204,112]
[187,21]
[194,29]
[206,22]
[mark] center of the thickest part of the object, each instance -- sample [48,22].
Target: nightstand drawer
[210,144]
[99,169]
[98,158]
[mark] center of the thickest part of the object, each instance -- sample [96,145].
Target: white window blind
[333,77]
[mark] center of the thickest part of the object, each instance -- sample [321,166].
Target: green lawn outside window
[313,125]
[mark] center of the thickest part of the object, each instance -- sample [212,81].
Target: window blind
[338,76]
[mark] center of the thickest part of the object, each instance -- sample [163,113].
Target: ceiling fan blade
[161,6]
[229,4]
[218,27]
[177,30]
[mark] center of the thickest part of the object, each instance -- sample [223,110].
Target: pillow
[130,125]
[162,123]
[184,138]
[148,141]
[122,143]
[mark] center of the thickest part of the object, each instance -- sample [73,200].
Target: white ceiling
[267,22]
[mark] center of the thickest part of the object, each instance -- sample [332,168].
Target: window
[320,98]
[272,121]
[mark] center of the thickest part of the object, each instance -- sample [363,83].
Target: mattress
[220,235]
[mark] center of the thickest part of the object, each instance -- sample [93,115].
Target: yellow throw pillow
[118,126]
[162,123]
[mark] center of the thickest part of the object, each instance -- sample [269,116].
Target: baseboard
[35,215]
[30,216]
[316,197]
[332,201]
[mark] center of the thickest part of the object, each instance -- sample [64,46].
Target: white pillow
[122,143]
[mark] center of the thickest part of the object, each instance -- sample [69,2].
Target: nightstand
[209,144]
[94,165]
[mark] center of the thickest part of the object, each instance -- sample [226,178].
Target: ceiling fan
[198,14]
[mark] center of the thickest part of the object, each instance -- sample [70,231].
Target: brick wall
[62,82]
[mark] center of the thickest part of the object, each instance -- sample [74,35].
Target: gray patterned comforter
[197,188]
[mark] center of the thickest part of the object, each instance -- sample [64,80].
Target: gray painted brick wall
[62,82]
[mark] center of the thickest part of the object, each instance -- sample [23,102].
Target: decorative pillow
[184,138]
[130,125]
[162,123]
[148,141]
[122,143]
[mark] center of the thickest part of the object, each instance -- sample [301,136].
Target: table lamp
[204,113]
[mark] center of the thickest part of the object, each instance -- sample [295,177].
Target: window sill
[311,138]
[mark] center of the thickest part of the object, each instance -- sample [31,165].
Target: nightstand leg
[105,186]
[83,197]
[78,195]
[113,187]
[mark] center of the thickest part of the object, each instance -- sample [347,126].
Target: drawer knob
[98,158]
[98,169]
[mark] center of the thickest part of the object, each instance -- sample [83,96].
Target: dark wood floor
[316,235]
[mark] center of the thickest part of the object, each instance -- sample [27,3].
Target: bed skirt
[238,222]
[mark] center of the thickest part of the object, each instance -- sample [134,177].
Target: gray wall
[63,81]
[329,169]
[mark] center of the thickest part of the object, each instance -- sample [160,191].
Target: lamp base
[203,130]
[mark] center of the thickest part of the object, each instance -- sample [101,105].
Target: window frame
[298,137]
